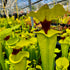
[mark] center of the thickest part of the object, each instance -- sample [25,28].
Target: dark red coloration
[34,21]
[16,32]
[7,37]
[69,27]
[36,30]
[16,51]
[62,38]
[45,25]
[67,35]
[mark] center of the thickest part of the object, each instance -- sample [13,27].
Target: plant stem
[57,68]
[21,65]
[47,46]
[0,66]
[64,48]
[2,58]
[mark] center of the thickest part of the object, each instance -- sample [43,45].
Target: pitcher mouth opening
[45,25]
[16,51]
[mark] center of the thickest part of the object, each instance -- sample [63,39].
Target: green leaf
[68,31]
[22,43]
[12,41]
[49,14]
[57,50]
[64,35]
[5,33]
[15,27]
[33,40]
[58,10]
[27,42]
[7,61]
[39,67]
[69,56]
[55,55]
